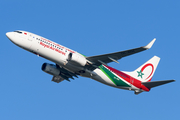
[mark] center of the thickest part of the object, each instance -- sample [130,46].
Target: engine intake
[50,69]
[77,59]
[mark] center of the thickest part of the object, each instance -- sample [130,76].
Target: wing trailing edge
[114,57]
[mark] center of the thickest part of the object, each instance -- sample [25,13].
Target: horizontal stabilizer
[156,83]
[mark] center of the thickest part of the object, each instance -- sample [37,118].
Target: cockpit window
[18,32]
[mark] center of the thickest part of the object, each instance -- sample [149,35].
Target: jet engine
[77,59]
[55,70]
[50,69]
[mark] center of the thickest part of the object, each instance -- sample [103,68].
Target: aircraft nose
[10,35]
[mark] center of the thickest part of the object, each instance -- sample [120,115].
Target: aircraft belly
[70,64]
[73,68]
[101,77]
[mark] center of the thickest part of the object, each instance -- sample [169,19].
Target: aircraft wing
[64,75]
[113,57]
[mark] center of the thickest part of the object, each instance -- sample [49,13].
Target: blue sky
[91,28]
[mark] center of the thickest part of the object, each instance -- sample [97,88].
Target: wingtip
[173,80]
[148,46]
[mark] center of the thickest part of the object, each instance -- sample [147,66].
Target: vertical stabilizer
[146,71]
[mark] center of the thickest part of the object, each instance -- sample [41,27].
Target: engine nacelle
[50,69]
[77,59]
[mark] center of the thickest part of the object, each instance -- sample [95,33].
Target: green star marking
[140,74]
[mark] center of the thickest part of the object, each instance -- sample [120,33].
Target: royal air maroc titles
[70,64]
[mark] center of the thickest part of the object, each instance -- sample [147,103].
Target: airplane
[70,64]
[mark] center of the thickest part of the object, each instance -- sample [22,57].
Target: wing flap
[57,79]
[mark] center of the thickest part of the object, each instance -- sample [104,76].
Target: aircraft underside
[70,64]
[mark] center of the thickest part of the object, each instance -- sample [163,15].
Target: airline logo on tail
[146,66]
[138,80]
[146,71]
[133,79]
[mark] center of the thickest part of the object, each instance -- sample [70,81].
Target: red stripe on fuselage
[129,79]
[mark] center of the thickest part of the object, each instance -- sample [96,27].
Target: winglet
[148,46]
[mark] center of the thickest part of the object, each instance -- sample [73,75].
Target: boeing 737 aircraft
[70,64]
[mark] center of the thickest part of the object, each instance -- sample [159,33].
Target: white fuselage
[55,53]
[70,63]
